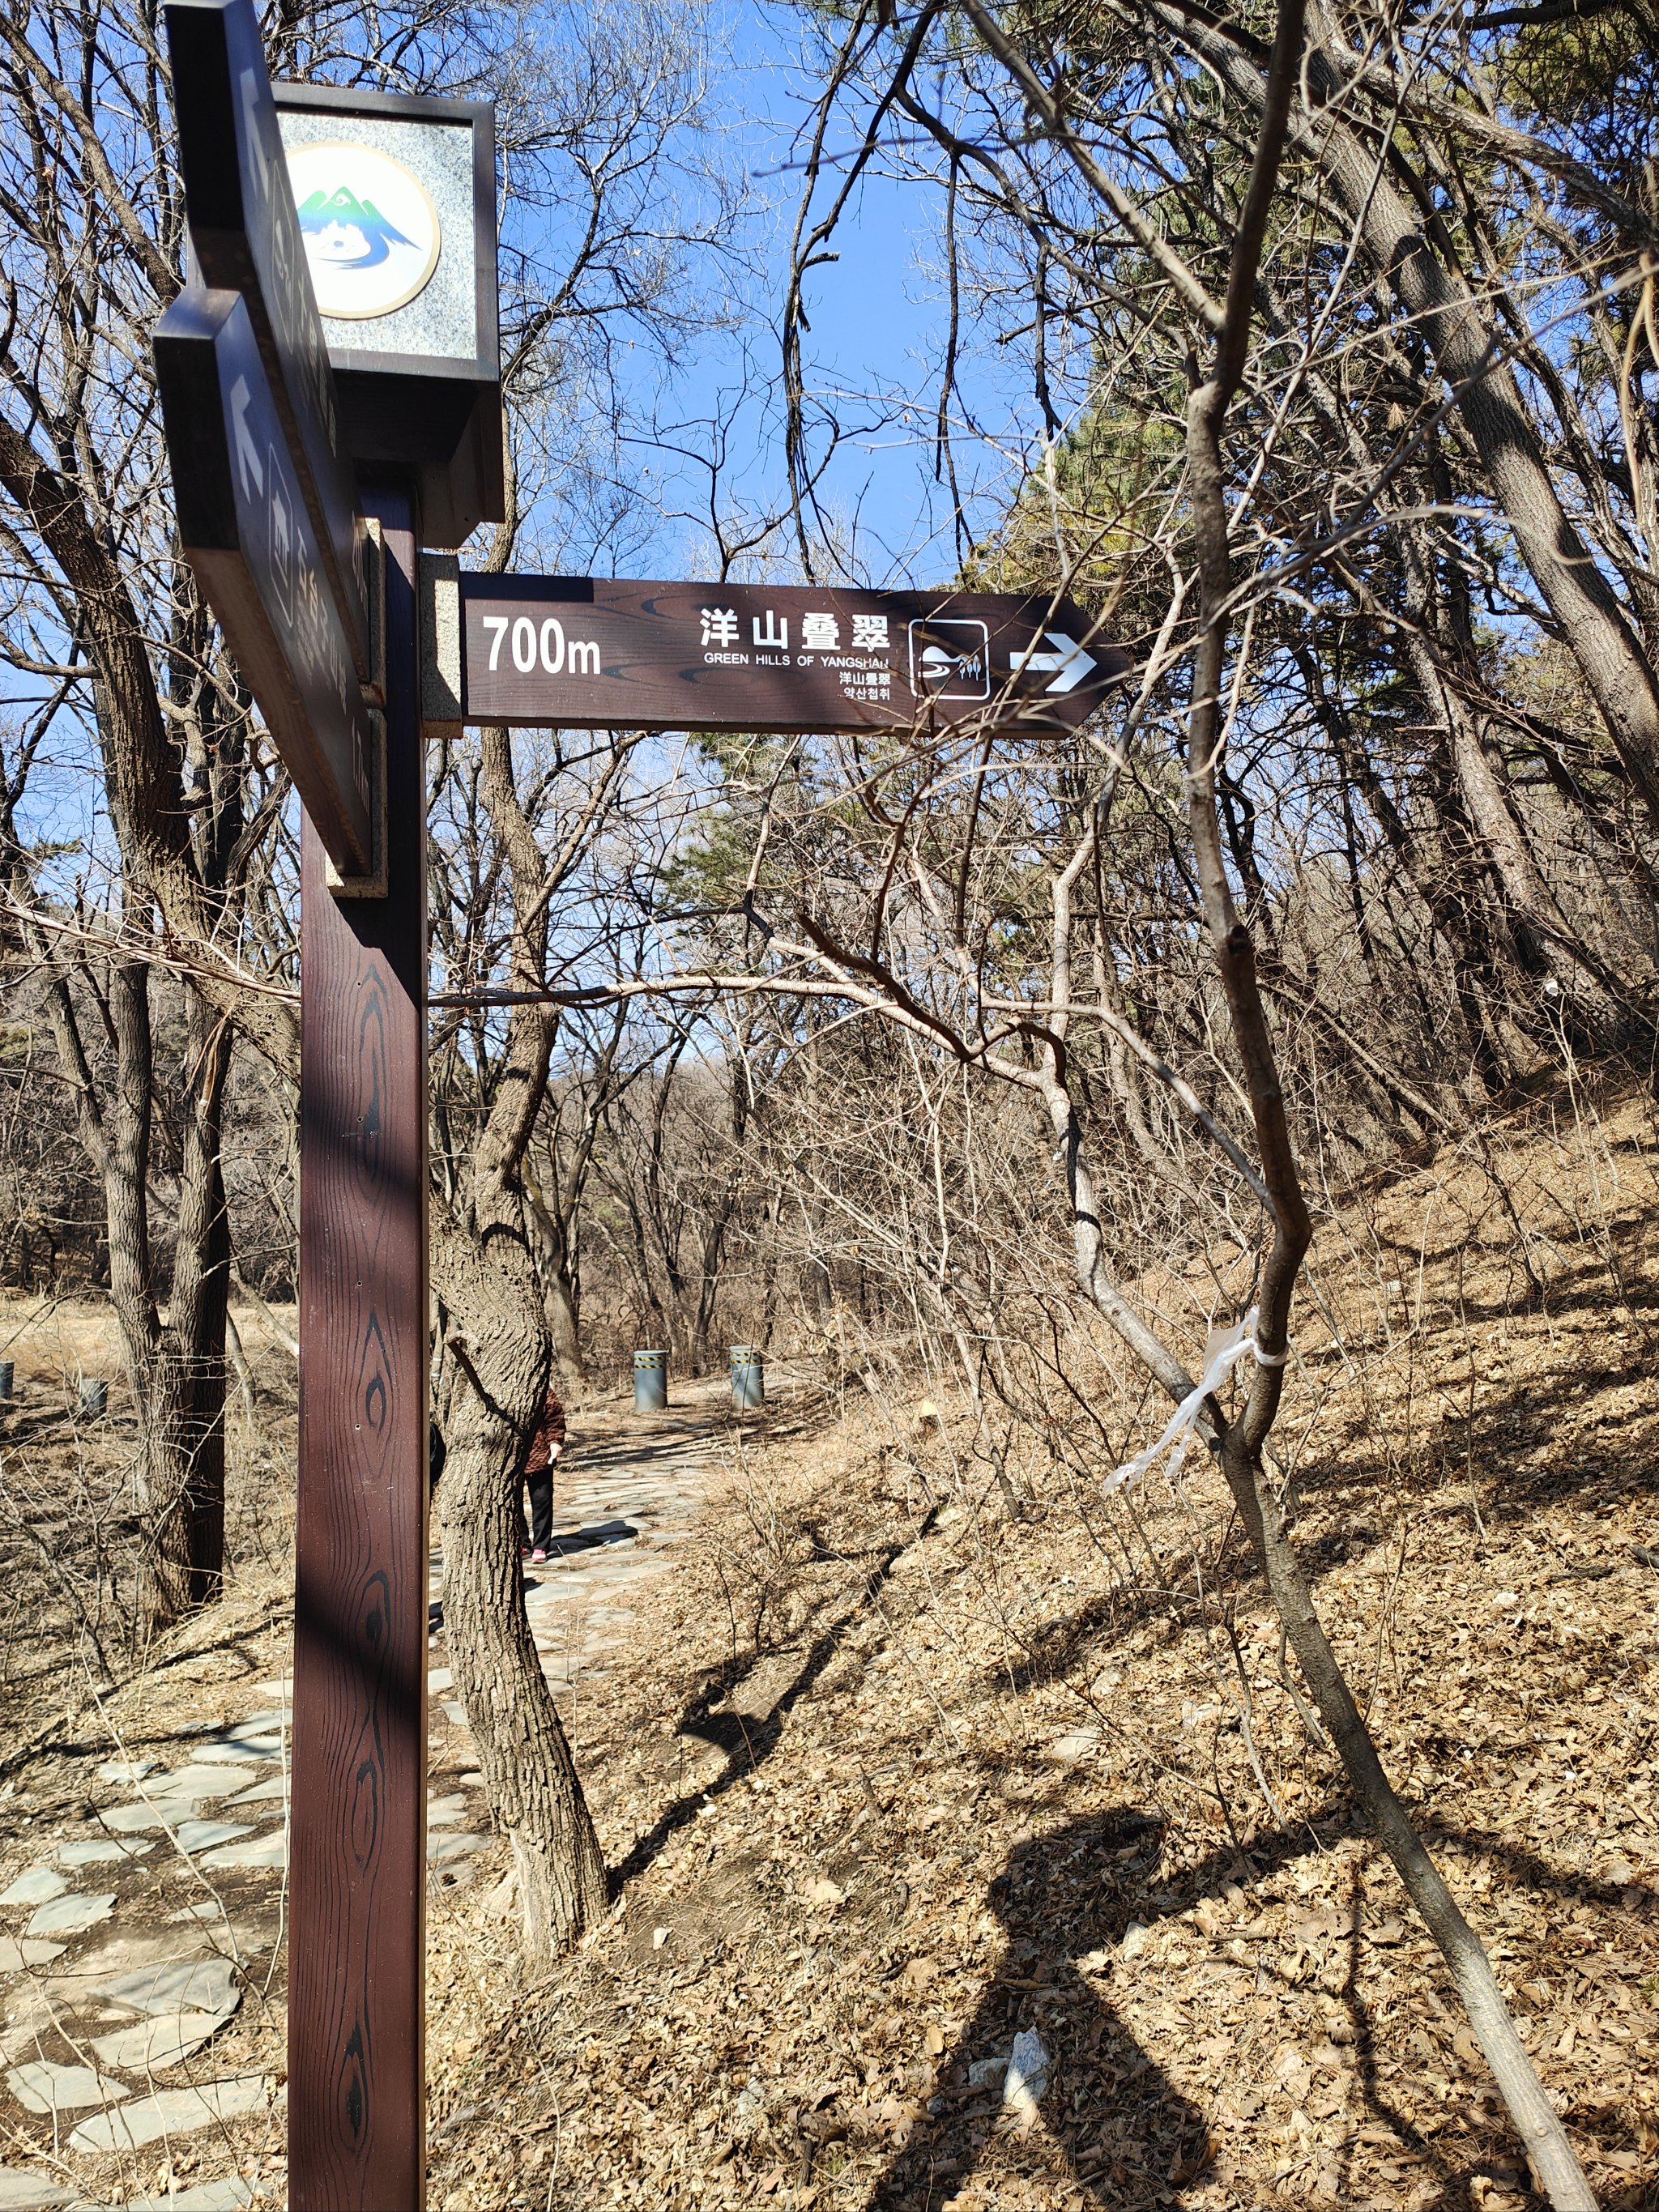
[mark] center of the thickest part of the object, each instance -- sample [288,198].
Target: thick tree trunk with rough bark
[500,1354]
[500,1359]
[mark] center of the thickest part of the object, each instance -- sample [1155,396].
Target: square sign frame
[419,377]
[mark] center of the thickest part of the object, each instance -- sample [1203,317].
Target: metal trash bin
[650,1381]
[8,1376]
[94,1400]
[748,1376]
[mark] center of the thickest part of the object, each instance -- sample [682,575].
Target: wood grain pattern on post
[356,2118]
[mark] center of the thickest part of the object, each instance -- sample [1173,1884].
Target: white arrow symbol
[1068,667]
[247,453]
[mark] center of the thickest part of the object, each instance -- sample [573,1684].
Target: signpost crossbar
[582,652]
[249,540]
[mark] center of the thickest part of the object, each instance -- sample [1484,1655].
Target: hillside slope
[892,1777]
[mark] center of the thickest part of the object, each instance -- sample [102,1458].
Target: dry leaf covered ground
[892,1777]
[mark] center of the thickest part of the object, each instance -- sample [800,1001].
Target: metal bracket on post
[373,885]
[374,608]
[440,645]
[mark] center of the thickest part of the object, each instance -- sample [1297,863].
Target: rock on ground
[20,2191]
[151,2045]
[171,2112]
[267,1851]
[72,1915]
[30,1952]
[195,1985]
[36,1886]
[224,2195]
[100,1850]
[45,2086]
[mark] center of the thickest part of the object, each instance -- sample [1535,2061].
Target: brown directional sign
[249,538]
[580,653]
[246,234]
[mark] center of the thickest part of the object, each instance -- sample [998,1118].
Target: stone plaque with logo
[396,198]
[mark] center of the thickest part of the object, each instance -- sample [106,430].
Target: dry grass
[69,1538]
[892,1777]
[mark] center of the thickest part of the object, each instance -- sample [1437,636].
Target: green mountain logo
[345,231]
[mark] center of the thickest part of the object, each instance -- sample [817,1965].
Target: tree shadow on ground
[746,1740]
[1110,2120]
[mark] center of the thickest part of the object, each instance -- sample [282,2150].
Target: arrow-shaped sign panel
[249,540]
[246,237]
[589,653]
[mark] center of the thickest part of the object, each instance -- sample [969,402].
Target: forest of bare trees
[1313,352]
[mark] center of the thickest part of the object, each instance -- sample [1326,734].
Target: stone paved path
[129,1939]
[624,1499]
[650,1481]
[159,1957]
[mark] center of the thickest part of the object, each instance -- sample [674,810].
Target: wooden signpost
[357,1946]
[277,487]
[319,610]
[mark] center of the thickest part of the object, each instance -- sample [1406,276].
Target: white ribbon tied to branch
[1222,1354]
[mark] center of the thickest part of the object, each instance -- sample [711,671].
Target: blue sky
[877,315]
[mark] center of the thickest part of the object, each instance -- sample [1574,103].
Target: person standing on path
[546,1448]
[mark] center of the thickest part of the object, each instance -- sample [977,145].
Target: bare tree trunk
[499,1339]
[561,1297]
[502,1343]
[1440,874]
[551,1227]
[1543,944]
[175,1371]
[1536,2121]
[198,1321]
[1089,1242]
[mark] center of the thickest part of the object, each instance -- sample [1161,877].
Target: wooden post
[357,1981]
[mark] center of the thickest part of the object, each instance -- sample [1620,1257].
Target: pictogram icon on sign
[949,659]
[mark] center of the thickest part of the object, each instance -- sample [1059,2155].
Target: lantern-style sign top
[396,200]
